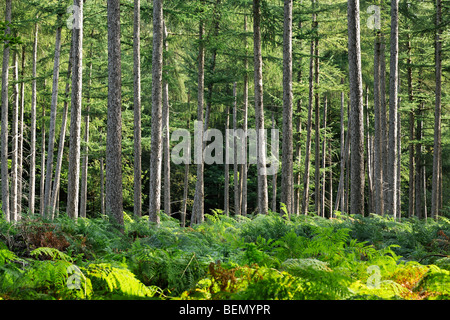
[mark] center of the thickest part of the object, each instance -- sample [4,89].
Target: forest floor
[258,258]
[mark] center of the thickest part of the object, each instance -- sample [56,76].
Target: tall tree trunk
[156,144]
[237,180]
[356,110]
[5,108]
[275,176]
[412,136]
[369,155]
[243,174]
[341,193]
[75,116]
[62,137]
[15,143]
[186,172]
[198,206]
[340,196]
[378,120]
[114,196]
[166,132]
[102,187]
[53,109]
[419,164]
[137,109]
[21,139]
[84,165]
[287,183]
[306,178]
[32,187]
[226,195]
[437,160]
[393,112]
[259,111]
[42,184]
[317,194]
[324,157]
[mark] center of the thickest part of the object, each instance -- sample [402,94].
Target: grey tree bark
[198,206]
[306,178]
[237,180]
[356,110]
[4,117]
[156,131]
[85,161]
[14,213]
[166,132]
[287,175]
[263,204]
[393,113]
[73,185]
[53,110]
[226,193]
[137,109]
[437,157]
[378,120]
[412,136]
[317,197]
[113,190]
[21,138]
[62,138]
[243,169]
[32,187]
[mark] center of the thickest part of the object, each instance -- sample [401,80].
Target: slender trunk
[53,110]
[75,116]
[166,132]
[419,164]
[245,124]
[42,184]
[15,143]
[102,187]
[259,110]
[412,136]
[113,190]
[32,187]
[369,148]
[340,196]
[384,124]
[237,181]
[437,160]
[306,178]
[198,206]
[4,126]
[137,110]
[393,112]
[378,120]
[287,183]
[317,194]
[343,180]
[21,139]
[226,196]
[324,157]
[330,166]
[186,173]
[84,165]
[62,137]
[356,110]
[275,176]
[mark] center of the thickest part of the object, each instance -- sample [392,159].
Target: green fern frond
[53,253]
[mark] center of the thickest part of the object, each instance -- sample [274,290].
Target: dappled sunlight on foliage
[261,257]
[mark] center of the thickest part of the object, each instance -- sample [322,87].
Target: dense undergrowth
[263,257]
